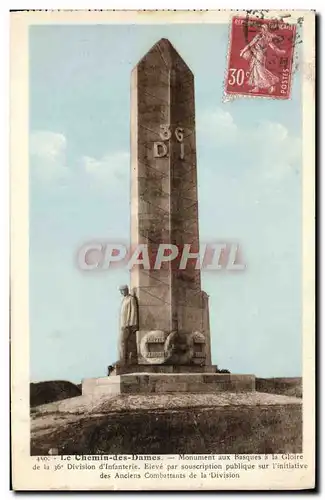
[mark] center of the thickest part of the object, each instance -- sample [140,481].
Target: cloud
[48,155]
[266,148]
[217,125]
[48,163]
[111,168]
[279,152]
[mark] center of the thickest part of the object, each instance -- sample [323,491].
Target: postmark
[260,58]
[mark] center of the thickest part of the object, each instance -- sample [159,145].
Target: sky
[249,188]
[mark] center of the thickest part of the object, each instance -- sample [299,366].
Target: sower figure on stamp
[128,327]
[259,76]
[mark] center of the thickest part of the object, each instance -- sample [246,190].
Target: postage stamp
[161,260]
[260,57]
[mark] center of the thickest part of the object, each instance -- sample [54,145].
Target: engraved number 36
[165,133]
[236,76]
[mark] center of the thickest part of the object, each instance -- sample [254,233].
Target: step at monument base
[186,369]
[155,383]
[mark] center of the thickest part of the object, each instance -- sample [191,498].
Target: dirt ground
[170,423]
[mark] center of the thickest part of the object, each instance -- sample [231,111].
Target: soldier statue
[128,327]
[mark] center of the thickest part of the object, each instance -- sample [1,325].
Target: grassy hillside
[189,423]
[287,386]
[53,390]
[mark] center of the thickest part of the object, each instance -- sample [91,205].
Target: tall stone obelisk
[173,352]
[173,340]
[164,210]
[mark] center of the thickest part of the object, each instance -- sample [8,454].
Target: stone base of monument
[121,370]
[162,383]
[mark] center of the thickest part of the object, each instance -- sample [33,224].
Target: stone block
[140,368]
[160,383]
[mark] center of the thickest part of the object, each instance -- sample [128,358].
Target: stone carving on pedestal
[159,347]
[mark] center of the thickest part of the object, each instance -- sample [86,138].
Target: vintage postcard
[162,250]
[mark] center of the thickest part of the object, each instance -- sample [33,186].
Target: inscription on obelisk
[173,310]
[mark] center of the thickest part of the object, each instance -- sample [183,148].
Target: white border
[307,188]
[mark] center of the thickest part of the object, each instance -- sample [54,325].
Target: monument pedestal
[162,383]
[185,369]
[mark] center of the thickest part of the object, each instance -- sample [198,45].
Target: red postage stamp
[260,57]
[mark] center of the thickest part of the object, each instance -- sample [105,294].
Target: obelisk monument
[173,310]
[165,334]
